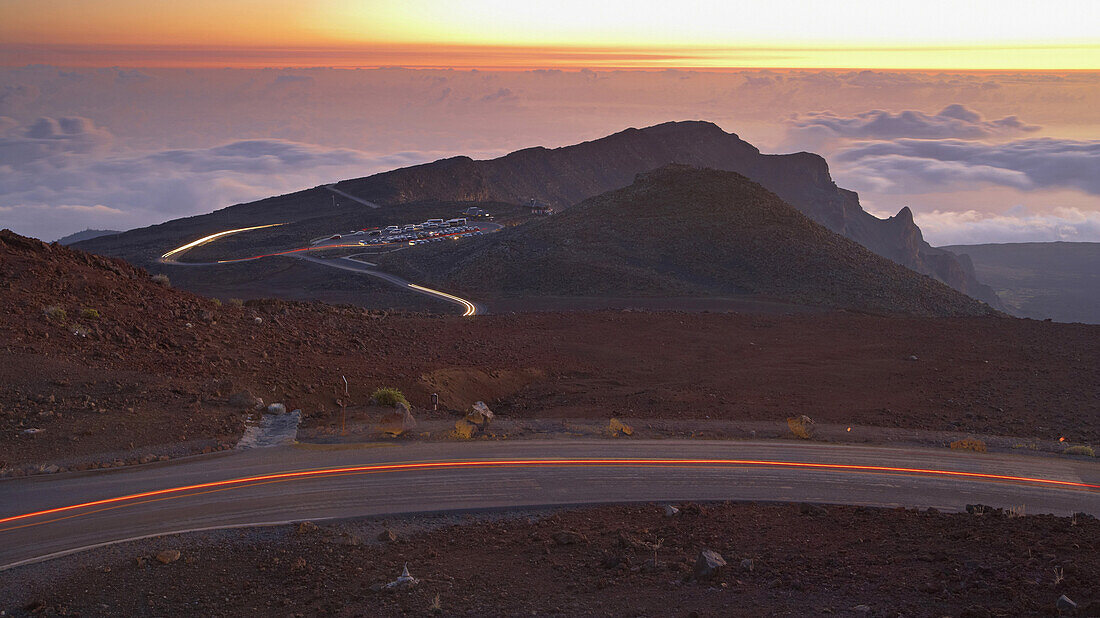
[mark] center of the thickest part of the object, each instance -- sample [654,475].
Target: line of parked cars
[432,230]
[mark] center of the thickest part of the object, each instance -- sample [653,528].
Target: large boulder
[475,421]
[707,564]
[397,421]
[480,415]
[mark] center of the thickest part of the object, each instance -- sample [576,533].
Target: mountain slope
[1056,280]
[683,231]
[563,177]
[85,235]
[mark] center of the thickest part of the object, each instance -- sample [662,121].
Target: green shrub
[161,280]
[388,396]
[89,314]
[56,312]
[236,302]
[217,303]
[1080,450]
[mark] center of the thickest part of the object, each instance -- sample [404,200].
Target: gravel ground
[781,559]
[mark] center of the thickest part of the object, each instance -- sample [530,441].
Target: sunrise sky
[932,34]
[980,116]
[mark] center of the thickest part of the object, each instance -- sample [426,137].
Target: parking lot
[430,231]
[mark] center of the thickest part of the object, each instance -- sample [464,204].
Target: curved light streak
[399,467]
[471,309]
[206,239]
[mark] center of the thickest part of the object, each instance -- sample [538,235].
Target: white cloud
[1016,225]
[941,165]
[954,121]
[57,178]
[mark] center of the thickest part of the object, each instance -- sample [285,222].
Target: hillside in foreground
[1055,280]
[683,231]
[111,366]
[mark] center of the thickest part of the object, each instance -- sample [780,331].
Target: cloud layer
[119,148]
[906,165]
[954,121]
[57,176]
[1017,225]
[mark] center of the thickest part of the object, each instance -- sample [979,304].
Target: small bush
[217,303]
[236,302]
[1080,450]
[89,314]
[161,280]
[388,396]
[56,312]
[969,444]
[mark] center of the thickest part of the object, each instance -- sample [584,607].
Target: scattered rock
[801,426]
[748,565]
[1064,604]
[627,540]
[244,400]
[707,564]
[982,509]
[568,537]
[50,469]
[398,421]
[403,581]
[387,536]
[912,358]
[257,320]
[671,511]
[34,607]
[862,609]
[32,431]
[306,527]
[168,556]
[276,408]
[480,415]
[618,427]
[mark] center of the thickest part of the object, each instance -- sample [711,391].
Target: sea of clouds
[978,157]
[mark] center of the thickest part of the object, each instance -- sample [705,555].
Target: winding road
[48,516]
[469,308]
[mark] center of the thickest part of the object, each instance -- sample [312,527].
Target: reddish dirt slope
[157,364]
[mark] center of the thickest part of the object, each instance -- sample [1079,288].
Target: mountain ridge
[683,231]
[801,179]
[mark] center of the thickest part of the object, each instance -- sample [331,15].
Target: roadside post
[435,401]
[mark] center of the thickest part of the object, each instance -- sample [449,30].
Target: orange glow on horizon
[934,34]
[553,462]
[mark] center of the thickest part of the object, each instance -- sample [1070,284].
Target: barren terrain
[152,371]
[781,559]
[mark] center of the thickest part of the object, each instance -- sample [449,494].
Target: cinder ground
[844,561]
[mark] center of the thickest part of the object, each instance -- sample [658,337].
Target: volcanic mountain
[683,231]
[562,177]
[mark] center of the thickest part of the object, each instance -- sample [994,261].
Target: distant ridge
[564,176]
[85,235]
[684,231]
[1041,280]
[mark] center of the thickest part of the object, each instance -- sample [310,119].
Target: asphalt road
[538,475]
[469,308]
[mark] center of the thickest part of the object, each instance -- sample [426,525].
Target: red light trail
[398,467]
